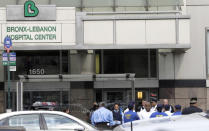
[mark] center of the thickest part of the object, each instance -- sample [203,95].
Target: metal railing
[107,5]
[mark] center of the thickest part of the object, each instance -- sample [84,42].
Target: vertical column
[69,93]
[17,96]
[21,96]
[2,92]
[60,61]
[102,61]
[74,62]
[61,96]
[88,62]
[82,62]
[1,68]
[133,90]
[166,64]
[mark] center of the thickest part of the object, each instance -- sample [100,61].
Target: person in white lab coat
[146,113]
[154,105]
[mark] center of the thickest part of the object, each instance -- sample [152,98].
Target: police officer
[126,110]
[167,110]
[130,115]
[159,112]
[102,118]
[177,110]
[193,107]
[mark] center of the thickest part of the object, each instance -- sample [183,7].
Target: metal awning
[70,78]
[77,77]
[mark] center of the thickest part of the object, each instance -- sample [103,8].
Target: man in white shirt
[145,114]
[143,105]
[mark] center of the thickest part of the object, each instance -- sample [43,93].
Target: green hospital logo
[30,9]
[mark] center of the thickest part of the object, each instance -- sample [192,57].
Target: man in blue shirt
[102,117]
[130,115]
[177,110]
[159,112]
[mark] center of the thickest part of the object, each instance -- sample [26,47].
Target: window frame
[206,51]
[6,123]
[150,72]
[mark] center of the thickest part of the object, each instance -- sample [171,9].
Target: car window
[3,122]
[30,122]
[59,122]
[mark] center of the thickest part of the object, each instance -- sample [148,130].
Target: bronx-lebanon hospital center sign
[32,32]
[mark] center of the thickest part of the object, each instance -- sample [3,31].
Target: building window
[140,62]
[40,63]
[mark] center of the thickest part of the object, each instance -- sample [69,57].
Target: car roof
[5,115]
[166,122]
[26,112]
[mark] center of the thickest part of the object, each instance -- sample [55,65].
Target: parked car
[193,122]
[44,120]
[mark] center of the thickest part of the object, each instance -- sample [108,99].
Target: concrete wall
[192,64]
[166,66]
[82,62]
[182,96]
[136,32]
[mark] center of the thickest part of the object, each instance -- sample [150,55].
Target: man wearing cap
[126,110]
[154,104]
[102,117]
[167,110]
[193,107]
[177,110]
[159,112]
[130,115]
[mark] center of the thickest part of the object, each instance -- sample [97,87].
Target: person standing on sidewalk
[159,112]
[130,115]
[102,118]
[193,107]
[177,110]
[117,115]
[146,113]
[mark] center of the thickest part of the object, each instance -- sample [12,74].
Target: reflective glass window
[66,3]
[59,122]
[126,61]
[130,2]
[27,121]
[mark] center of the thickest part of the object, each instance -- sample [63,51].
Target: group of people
[104,118]
[151,110]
